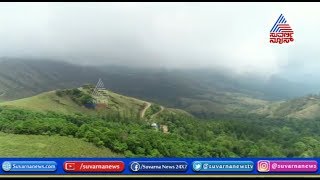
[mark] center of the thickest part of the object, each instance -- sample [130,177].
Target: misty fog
[233,36]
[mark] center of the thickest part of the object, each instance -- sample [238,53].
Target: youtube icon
[69,166]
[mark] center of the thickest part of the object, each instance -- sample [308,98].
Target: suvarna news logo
[281,32]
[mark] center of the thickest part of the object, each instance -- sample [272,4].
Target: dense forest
[188,137]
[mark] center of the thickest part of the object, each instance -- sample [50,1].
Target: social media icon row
[262,166]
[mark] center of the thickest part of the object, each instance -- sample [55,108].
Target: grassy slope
[49,101]
[122,103]
[12,145]
[220,104]
[301,108]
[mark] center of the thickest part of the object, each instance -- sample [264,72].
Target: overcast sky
[183,35]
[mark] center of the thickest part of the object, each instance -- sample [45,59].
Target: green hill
[47,101]
[307,107]
[68,103]
[50,101]
[14,145]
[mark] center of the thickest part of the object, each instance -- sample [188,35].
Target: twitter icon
[196,166]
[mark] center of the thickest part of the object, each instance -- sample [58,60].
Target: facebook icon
[135,166]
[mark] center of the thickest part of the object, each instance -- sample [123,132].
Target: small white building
[154,125]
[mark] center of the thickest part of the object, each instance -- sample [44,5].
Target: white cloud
[231,35]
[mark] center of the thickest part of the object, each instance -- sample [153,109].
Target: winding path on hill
[145,109]
[162,108]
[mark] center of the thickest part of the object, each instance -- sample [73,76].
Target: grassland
[49,101]
[124,104]
[13,145]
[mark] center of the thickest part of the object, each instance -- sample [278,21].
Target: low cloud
[170,35]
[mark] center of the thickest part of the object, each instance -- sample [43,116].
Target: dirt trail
[162,108]
[145,109]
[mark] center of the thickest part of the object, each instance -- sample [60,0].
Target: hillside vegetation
[188,137]
[307,107]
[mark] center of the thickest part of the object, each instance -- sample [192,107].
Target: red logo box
[93,166]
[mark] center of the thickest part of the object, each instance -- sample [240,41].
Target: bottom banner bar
[160,166]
